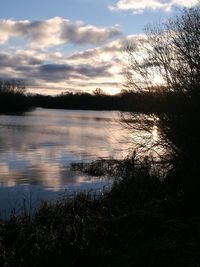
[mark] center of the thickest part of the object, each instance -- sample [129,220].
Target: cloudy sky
[74,45]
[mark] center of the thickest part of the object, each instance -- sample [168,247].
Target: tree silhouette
[12,87]
[12,96]
[169,58]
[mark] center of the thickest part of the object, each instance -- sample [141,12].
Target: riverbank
[140,222]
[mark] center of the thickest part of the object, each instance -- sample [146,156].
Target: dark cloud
[26,66]
[94,71]
[16,61]
[65,71]
[54,68]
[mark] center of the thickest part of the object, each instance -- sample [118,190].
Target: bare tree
[169,58]
[98,92]
[12,86]
[168,55]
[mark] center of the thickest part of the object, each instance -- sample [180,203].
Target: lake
[37,148]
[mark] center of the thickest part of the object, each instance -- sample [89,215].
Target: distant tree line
[13,98]
[124,101]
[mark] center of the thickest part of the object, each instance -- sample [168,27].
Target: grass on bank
[140,222]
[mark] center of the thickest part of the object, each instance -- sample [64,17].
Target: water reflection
[37,148]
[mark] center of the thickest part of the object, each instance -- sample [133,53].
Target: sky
[74,45]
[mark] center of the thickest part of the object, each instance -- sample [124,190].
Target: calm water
[36,150]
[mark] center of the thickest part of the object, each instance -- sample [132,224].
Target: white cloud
[138,6]
[47,71]
[55,31]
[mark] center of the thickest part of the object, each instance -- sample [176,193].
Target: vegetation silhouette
[12,96]
[171,51]
[139,222]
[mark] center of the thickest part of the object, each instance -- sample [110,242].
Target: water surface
[36,150]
